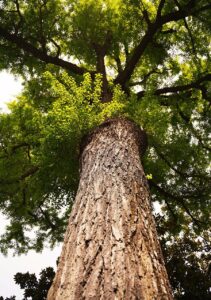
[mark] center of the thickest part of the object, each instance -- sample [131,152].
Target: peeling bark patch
[111,250]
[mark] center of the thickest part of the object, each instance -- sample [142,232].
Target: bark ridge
[111,250]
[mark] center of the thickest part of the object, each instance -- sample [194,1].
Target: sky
[33,262]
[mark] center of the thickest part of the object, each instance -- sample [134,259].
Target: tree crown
[84,62]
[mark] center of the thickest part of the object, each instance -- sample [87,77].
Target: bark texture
[111,250]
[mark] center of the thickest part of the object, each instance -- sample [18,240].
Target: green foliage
[41,139]
[188,265]
[34,288]
[72,52]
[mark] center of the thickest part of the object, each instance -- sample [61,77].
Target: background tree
[10,298]
[187,262]
[34,288]
[85,62]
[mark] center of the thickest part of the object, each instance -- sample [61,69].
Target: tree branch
[184,12]
[28,173]
[184,175]
[126,74]
[19,14]
[160,7]
[118,63]
[188,30]
[154,71]
[13,149]
[193,130]
[57,46]
[179,88]
[101,51]
[178,199]
[187,10]
[47,218]
[21,43]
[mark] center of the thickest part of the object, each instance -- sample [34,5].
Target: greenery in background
[34,288]
[157,69]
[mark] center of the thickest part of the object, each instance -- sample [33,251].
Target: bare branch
[186,11]
[126,74]
[13,149]
[29,172]
[168,31]
[145,13]
[146,17]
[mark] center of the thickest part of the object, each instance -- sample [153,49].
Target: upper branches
[198,84]
[23,44]
[160,7]
[188,10]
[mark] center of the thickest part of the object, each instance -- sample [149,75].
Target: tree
[10,298]
[187,261]
[34,288]
[93,71]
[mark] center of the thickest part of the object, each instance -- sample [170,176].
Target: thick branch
[126,74]
[160,7]
[28,173]
[183,13]
[20,16]
[179,88]
[101,51]
[187,10]
[21,43]
[100,67]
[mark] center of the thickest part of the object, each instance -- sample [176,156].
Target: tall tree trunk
[111,249]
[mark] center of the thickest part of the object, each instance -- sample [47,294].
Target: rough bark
[111,249]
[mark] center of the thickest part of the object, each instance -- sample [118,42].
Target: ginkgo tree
[104,80]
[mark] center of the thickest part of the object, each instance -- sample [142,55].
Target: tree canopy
[34,288]
[84,62]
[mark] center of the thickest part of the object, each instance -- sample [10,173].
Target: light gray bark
[111,250]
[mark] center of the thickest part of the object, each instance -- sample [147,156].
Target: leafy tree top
[84,62]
